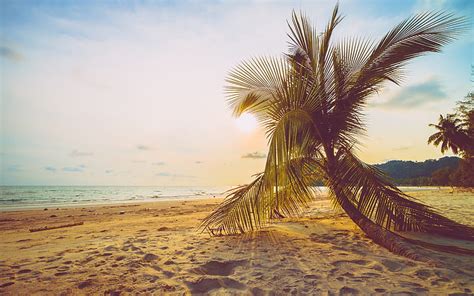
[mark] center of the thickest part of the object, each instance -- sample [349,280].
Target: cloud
[76,153]
[254,155]
[159,163]
[165,174]
[417,95]
[144,148]
[76,169]
[198,162]
[10,54]
[403,148]
[108,171]
[50,169]
[14,168]
[138,161]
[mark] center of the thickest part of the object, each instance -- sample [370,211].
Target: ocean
[30,197]
[34,197]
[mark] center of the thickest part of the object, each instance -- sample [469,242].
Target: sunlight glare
[246,123]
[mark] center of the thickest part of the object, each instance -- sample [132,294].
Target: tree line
[455,132]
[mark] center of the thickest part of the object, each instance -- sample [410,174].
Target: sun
[246,123]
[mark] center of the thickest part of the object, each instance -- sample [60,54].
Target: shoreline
[52,206]
[117,203]
[156,248]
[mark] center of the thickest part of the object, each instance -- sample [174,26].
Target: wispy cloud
[76,153]
[14,168]
[138,161]
[163,174]
[144,148]
[72,169]
[108,171]
[417,95]
[158,163]
[166,174]
[403,148]
[50,169]
[75,169]
[10,53]
[254,155]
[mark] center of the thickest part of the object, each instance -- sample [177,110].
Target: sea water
[25,197]
[30,197]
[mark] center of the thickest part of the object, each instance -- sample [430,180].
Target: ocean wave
[12,200]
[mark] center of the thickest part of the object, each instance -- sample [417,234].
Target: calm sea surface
[25,197]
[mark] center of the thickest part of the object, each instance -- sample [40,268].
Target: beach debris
[45,209]
[55,227]
[122,212]
[163,229]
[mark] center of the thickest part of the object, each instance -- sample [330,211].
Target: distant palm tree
[311,104]
[451,134]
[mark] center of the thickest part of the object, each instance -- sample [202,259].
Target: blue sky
[131,93]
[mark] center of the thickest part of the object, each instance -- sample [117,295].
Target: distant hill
[416,173]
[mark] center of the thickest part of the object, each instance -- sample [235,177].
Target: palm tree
[310,102]
[451,134]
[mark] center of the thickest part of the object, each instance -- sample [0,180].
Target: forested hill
[417,173]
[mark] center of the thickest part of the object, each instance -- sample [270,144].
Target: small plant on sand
[311,102]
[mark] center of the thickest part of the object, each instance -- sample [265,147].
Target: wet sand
[154,248]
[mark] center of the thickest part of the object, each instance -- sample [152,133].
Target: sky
[131,92]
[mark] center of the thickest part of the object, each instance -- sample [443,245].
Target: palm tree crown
[311,103]
[451,134]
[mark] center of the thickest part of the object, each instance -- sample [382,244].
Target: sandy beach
[154,248]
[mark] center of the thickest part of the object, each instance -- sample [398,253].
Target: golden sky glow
[119,95]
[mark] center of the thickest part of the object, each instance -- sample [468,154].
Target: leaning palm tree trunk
[381,236]
[310,103]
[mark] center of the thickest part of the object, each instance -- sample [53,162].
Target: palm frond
[292,167]
[244,209]
[380,201]
[415,36]
[252,206]
[253,84]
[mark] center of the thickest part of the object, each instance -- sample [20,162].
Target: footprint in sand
[85,284]
[348,291]
[110,248]
[6,284]
[205,285]
[424,273]
[311,277]
[219,267]
[150,257]
[392,265]
[258,292]
[358,262]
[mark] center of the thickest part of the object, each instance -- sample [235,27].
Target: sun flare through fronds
[246,123]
